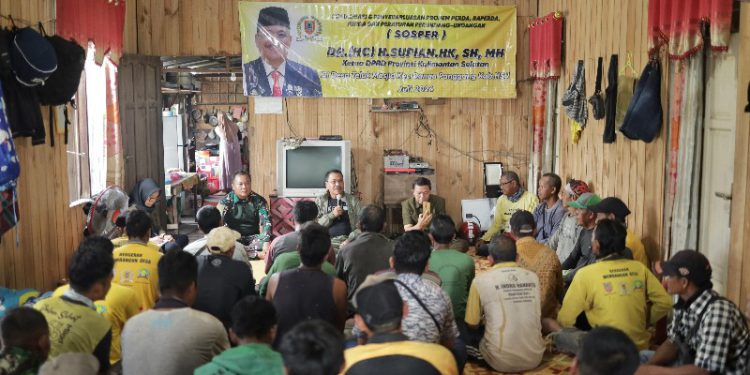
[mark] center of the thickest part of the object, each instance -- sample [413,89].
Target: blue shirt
[548,220]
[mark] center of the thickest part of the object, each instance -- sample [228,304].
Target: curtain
[677,25]
[112,133]
[545,53]
[100,21]
[684,161]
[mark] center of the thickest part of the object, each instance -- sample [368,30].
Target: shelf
[378,110]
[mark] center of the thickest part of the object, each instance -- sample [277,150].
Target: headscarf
[576,188]
[142,190]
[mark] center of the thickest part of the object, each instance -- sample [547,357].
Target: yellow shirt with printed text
[117,307]
[136,268]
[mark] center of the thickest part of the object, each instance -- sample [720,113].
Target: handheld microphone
[338,199]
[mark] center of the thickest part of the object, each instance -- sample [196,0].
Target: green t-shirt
[287,261]
[456,270]
[248,359]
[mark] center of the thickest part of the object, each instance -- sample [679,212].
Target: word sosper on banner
[378,50]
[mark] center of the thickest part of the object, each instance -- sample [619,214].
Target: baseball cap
[523,222]
[380,305]
[585,201]
[611,205]
[689,264]
[221,239]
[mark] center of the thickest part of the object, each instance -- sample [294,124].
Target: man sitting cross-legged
[172,338]
[253,330]
[380,310]
[506,299]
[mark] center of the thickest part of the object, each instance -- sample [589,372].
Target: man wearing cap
[273,74]
[615,291]
[506,299]
[581,255]
[380,310]
[710,327]
[565,237]
[549,213]
[222,281]
[539,259]
[615,209]
[208,218]
[514,198]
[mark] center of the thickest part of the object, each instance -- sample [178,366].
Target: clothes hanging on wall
[230,157]
[574,102]
[610,101]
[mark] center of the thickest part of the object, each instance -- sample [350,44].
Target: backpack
[63,83]
[32,57]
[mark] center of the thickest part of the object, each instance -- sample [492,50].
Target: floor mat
[552,363]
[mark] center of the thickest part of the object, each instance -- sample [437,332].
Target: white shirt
[269,70]
[239,249]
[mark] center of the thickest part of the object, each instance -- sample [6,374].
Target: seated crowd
[341,297]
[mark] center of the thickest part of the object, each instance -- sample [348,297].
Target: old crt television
[300,171]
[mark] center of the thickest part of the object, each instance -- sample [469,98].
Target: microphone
[338,199]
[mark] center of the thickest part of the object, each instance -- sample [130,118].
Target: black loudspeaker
[492,191]
[492,173]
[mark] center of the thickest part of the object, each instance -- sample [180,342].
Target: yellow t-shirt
[505,209]
[73,327]
[120,304]
[368,356]
[135,268]
[633,242]
[120,241]
[614,293]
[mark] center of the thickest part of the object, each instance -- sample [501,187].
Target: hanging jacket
[574,98]
[610,101]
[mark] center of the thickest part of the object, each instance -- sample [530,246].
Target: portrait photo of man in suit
[273,74]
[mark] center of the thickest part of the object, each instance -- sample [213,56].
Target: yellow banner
[378,50]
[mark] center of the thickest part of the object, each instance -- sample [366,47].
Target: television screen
[306,166]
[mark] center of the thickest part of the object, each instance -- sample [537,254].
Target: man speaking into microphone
[337,210]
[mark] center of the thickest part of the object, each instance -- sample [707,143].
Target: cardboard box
[396,161]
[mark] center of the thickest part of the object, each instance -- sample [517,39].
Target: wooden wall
[738,286]
[35,253]
[492,130]
[632,171]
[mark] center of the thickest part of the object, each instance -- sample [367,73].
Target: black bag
[63,83]
[643,119]
[596,100]
[32,57]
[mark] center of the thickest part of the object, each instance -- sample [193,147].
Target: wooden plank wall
[492,130]
[632,171]
[35,253]
[738,286]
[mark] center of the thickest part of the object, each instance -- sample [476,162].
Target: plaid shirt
[721,342]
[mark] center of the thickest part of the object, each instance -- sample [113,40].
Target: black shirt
[222,281]
[341,225]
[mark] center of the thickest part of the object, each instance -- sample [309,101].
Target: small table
[173,189]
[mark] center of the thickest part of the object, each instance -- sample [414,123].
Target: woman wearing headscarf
[145,196]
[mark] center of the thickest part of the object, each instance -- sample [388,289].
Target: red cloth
[545,37]
[99,20]
[677,24]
